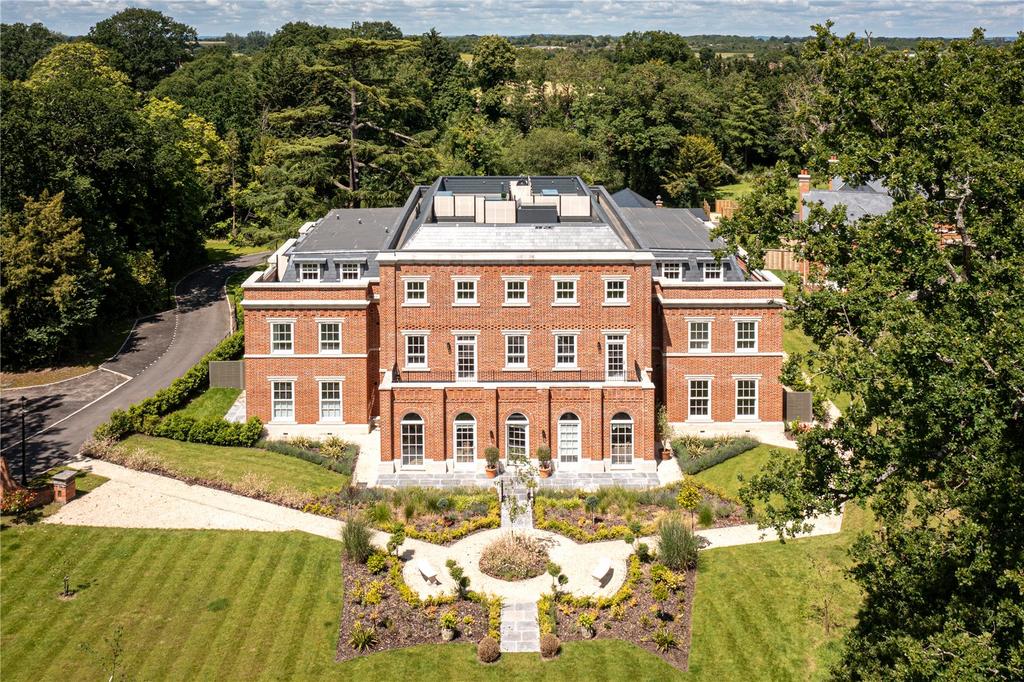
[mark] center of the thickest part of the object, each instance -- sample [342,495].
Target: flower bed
[435,515]
[694,455]
[382,612]
[616,513]
[514,557]
[652,609]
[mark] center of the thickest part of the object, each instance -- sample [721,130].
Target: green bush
[343,463]
[677,545]
[693,459]
[362,637]
[209,431]
[706,515]
[355,541]
[377,562]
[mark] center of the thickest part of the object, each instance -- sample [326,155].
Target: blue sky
[516,17]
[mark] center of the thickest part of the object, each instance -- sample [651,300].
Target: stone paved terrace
[564,480]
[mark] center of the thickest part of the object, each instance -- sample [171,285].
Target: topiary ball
[549,645]
[487,650]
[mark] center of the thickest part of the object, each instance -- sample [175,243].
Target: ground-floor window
[569,438]
[517,436]
[282,400]
[746,398]
[700,399]
[412,440]
[622,439]
[330,401]
[465,438]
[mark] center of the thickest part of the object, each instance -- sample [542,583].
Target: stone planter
[545,473]
[447,635]
[587,633]
[491,473]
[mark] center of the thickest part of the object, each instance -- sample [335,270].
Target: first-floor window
[517,438]
[565,291]
[282,400]
[330,400]
[622,439]
[515,350]
[465,291]
[415,350]
[416,291]
[330,337]
[615,291]
[281,337]
[746,398]
[565,350]
[700,398]
[515,291]
[746,336]
[412,440]
[700,336]
[465,438]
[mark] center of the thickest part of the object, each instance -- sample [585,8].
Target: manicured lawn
[795,341]
[218,250]
[212,404]
[725,475]
[233,465]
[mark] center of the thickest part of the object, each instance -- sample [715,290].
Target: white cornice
[572,258]
[302,304]
[719,302]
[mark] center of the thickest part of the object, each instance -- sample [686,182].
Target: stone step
[519,629]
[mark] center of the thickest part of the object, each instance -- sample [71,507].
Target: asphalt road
[159,350]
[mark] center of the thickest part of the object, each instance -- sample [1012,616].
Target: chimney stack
[803,187]
[658,203]
[832,161]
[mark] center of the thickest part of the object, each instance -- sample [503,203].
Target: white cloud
[516,17]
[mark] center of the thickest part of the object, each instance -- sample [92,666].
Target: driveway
[159,349]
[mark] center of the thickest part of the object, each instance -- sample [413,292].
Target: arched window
[622,439]
[464,437]
[568,439]
[412,440]
[517,435]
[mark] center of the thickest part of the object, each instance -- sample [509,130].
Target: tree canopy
[147,45]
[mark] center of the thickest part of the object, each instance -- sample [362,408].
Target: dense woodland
[123,152]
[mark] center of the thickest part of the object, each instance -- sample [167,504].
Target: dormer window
[350,271]
[672,271]
[309,272]
[712,271]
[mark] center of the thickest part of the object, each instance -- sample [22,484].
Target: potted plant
[586,623]
[544,461]
[664,433]
[449,619]
[492,455]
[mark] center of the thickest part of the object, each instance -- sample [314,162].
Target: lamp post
[24,468]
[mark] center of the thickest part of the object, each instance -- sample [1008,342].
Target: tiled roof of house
[627,198]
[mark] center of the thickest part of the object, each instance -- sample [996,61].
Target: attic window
[350,270]
[309,272]
[672,270]
[712,271]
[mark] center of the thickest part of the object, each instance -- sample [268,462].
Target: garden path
[520,631]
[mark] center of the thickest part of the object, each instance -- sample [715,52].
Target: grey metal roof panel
[670,228]
[858,204]
[349,229]
[627,198]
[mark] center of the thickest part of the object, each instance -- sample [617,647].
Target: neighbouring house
[511,312]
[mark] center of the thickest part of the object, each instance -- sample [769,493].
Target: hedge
[148,416]
[715,455]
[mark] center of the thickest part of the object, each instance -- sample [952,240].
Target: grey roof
[858,203]
[627,198]
[517,237]
[346,234]
[876,186]
[673,229]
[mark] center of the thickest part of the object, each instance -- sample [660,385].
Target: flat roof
[514,237]
[676,229]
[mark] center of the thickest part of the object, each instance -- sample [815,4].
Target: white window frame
[525,335]
[574,334]
[622,458]
[320,324]
[417,367]
[690,322]
[408,456]
[756,416]
[275,402]
[525,424]
[304,267]
[345,268]
[469,339]
[737,321]
[675,265]
[575,281]
[290,324]
[464,302]
[568,423]
[415,302]
[690,416]
[616,337]
[717,269]
[340,381]
[624,301]
[516,302]
[463,423]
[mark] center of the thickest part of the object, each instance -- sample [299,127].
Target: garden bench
[427,571]
[602,569]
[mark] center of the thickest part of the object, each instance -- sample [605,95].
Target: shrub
[355,541]
[664,640]
[17,501]
[487,650]
[701,455]
[376,563]
[342,463]
[643,552]
[449,620]
[549,645]
[492,455]
[586,620]
[544,455]
[379,514]
[706,515]
[362,637]
[514,557]
[677,545]
[374,593]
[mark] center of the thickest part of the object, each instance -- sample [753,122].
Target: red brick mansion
[514,312]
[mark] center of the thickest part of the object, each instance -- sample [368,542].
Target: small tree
[689,497]
[396,539]
[661,424]
[459,577]
[558,579]
[591,504]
